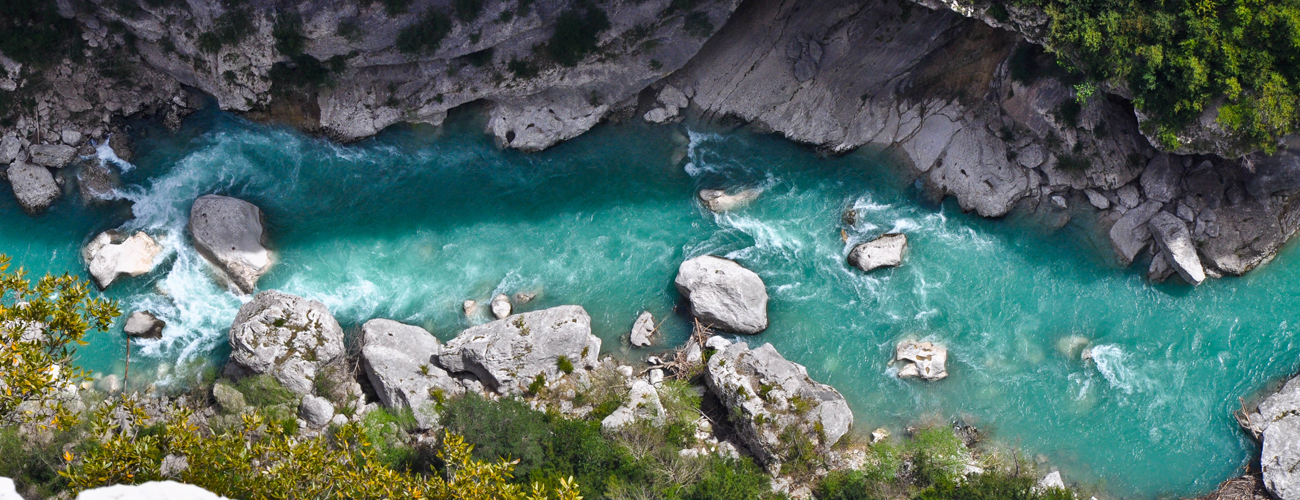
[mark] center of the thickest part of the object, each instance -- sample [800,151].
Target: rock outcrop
[400,362]
[112,254]
[34,187]
[642,405]
[772,396]
[144,324]
[922,360]
[1276,423]
[885,251]
[509,354]
[1175,243]
[229,233]
[52,155]
[152,490]
[642,330]
[287,337]
[723,295]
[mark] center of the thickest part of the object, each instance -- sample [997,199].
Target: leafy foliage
[261,462]
[697,24]
[576,35]
[992,486]
[1179,57]
[731,480]
[425,36]
[41,327]
[467,10]
[289,39]
[230,28]
[35,33]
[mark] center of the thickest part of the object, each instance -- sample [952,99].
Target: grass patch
[262,391]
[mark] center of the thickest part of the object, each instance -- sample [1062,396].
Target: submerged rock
[1175,242]
[723,294]
[509,354]
[398,359]
[97,181]
[642,404]
[229,233]
[643,329]
[287,337]
[34,187]
[1276,423]
[470,307]
[922,360]
[718,201]
[144,324]
[885,251]
[113,254]
[769,396]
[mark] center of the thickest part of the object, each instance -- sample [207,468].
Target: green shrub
[1073,163]
[262,391]
[564,364]
[522,68]
[396,7]
[426,35]
[991,486]
[576,35]
[697,24]
[844,485]
[938,456]
[349,30]
[467,10]
[577,449]
[289,39]
[504,428]
[728,479]
[230,28]
[34,467]
[35,33]
[479,59]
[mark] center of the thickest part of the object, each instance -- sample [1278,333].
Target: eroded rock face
[229,233]
[34,187]
[922,360]
[1276,422]
[723,294]
[113,254]
[399,361]
[885,251]
[509,354]
[772,396]
[287,337]
[144,324]
[1175,242]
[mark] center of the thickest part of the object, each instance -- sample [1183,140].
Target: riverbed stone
[398,360]
[113,254]
[718,201]
[1097,200]
[97,182]
[1130,233]
[509,354]
[285,336]
[500,306]
[144,324]
[34,186]
[229,233]
[229,399]
[1175,242]
[923,360]
[723,294]
[52,155]
[1276,423]
[642,404]
[767,395]
[316,411]
[643,329]
[1161,178]
[884,251]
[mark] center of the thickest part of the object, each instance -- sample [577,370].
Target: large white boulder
[723,294]
[1276,422]
[922,360]
[509,354]
[398,359]
[229,233]
[153,490]
[885,251]
[112,254]
[34,187]
[1173,238]
[285,336]
[642,329]
[144,324]
[1130,233]
[768,396]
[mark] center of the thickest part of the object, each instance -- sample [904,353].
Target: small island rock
[885,251]
[642,329]
[113,254]
[718,201]
[500,306]
[723,294]
[229,233]
[144,324]
[922,360]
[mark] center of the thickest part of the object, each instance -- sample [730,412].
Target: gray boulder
[229,233]
[316,411]
[1175,242]
[1276,423]
[1160,180]
[723,294]
[229,399]
[922,360]
[287,337]
[1130,233]
[771,396]
[52,155]
[144,324]
[97,182]
[642,329]
[509,354]
[34,187]
[112,254]
[642,404]
[153,490]
[718,201]
[398,359]
[885,251]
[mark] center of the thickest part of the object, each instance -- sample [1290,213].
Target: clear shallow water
[409,224]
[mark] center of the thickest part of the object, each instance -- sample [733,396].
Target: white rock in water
[470,307]
[153,490]
[111,254]
[144,324]
[723,294]
[885,251]
[501,306]
[1172,236]
[880,434]
[287,337]
[230,234]
[922,360]
[1276,422]
[643,329]
[717,200]
[34,187]
[1097,199]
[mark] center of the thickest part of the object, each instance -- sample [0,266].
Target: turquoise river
[411,223]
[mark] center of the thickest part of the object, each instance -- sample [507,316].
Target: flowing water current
[411,223]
